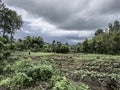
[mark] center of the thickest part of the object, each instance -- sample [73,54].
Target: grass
[92,57]
[21,53]
[76,56]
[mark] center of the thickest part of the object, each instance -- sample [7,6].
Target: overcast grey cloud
[65,20]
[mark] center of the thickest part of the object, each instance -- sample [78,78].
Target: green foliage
[17,81]
[6,54]
[58,47]
[61,83]
[112,81]
[62,49]
[99,32]
[9,21]
[4,51]
[115,27]
[30,43]
[85,46]
[26,73]
[3,39]
[107,42]
[22,65]
[105,74]
[12,46]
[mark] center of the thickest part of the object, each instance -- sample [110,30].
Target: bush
[22,66]
[26,73]
[6,54]
[17,81]
[11,46]
[62,49]
[41,73]
[61,83]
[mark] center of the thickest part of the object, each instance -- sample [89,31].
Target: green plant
[23,65]
[26,73]
[61,83]
[6,54]
[17,81]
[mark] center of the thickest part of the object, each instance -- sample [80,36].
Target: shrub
[6,54]
[61,83]
[17,81]
[22,66]
[26,73]
[40,73]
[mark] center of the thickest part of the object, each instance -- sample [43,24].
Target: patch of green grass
[19,53]
[78,56]
[102,57]
[40,54]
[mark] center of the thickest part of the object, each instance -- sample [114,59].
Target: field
[99,72]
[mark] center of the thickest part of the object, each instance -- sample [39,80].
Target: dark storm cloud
[72,15]
[110,7]
[83,24]
[55,11]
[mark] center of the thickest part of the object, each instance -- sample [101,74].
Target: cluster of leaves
[61,83]
[25,73]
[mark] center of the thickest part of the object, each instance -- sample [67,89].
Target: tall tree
[10,21]
[85,46]
[115,27]
[2,6]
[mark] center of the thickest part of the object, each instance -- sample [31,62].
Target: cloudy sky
[69,21]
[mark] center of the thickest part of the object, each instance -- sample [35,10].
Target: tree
[10,21]
[85,46]
[2,6]
[15,22]
[115,27]
[30,43]
[117,42]
[99,32]
[107,43]
[110,27]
